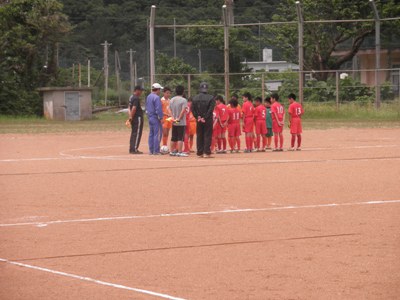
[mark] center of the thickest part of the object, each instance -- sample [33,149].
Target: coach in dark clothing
[202,107]
[136,119]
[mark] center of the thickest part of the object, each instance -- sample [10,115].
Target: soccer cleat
[207,156]
[173,153]
[237,150]
[275,150]
[291,149]
[182,154]
[298,149]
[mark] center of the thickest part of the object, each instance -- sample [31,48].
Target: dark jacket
[203,106]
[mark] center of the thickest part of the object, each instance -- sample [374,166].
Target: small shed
[67,103]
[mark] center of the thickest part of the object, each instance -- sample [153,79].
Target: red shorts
[248,125]
[222,130]
[295,126]
[261,127]
[234,130]
[216,131]
[276,128]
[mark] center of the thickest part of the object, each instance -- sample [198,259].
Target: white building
[269,65]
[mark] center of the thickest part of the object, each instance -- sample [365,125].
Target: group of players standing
[260,122]
[211,119]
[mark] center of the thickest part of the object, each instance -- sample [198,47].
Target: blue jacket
[153,106]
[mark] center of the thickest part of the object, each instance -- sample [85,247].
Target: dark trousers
[204,136]
[136,133]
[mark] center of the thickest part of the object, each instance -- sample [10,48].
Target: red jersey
[279,110]
[215,115]
[296,110]
[222,112]
[260,113]
[234,115]
[248,110]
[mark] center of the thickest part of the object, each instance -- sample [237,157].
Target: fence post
[337,90]
[377,54]
[301,50]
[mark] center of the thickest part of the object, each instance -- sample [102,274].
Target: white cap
[156,86]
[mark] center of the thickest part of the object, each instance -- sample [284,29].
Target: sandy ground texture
[82,219]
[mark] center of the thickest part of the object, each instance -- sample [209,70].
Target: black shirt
[135,101]
[203,106]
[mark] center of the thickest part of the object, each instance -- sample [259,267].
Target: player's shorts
[234,130]
[276,128]
[216,131]
[178,133]
[192,128]
[261,127]
[166,124]
[269,132]
[222,130]
[295,126]
[248,125]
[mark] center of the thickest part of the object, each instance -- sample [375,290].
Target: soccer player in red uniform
[234,126]
[222,123]
[248,121]
[260,114]
[278,120]
[295,113]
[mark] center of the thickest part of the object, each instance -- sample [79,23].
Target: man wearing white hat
[155,115]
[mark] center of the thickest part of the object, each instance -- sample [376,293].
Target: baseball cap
[203,87]
[138,87]
[156,86]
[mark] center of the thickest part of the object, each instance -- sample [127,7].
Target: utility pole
[105,68]
[132,68]
[152,59]
[229,9]
[199,60]
[88,73]
[174,38]
[79,75]
[117,69]
[226,50]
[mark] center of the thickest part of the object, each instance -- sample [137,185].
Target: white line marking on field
[118,286]
[199,213]
[66,156]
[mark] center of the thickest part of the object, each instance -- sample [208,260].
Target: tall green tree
[323,40]
[29,33]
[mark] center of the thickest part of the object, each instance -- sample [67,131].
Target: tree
[29,32]
[322,40]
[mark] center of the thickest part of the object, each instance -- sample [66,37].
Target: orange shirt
[165,106]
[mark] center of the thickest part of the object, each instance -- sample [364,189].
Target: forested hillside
[41,40]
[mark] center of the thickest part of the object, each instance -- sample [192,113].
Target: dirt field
[82,219]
